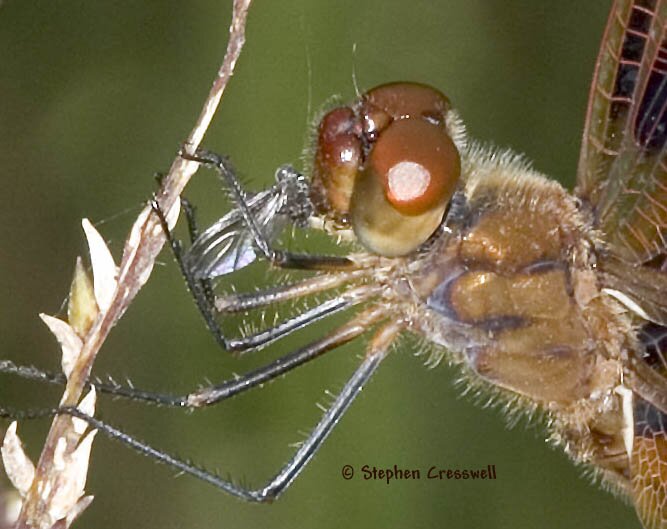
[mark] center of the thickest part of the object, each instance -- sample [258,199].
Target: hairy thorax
[511,293]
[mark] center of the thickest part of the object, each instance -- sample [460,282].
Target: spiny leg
[239,302]
[200,292]
[201,288]
[263,338]
[20,415]
[193,233]
[217,393]
[191,218]
[278,258]
[31,373]
[8,367]
[203,295]
[211,395]
[376,353]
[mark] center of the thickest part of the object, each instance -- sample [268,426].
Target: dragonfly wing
[622,176]
[622,171]
[228,245]
[648,464]
[647,446]
[623,164]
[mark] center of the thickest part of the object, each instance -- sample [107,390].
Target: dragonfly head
[387,165]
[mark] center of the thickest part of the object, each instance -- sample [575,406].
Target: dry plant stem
[141,249]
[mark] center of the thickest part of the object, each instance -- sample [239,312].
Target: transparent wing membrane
[229,244]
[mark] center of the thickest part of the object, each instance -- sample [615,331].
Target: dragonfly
[552,300]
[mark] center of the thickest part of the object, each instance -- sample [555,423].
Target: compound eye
[408,100]
[401,195]
[337,161]
[418,164]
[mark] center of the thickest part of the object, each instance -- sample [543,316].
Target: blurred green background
[95,97]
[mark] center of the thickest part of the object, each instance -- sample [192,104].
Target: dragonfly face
[556,300]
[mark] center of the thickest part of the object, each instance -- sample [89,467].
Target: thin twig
[141,249]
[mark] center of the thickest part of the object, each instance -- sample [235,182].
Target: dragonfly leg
[258,340]
[202,292]
[376,353]
[276,257]
[211,395]
[200,289]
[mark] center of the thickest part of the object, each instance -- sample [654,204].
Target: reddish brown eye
[418,164]
[336,123]
[409,100]
[411,170]
[337,161]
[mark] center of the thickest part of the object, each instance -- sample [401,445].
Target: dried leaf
[60,524]
[10,507]
[69,341]
[78,509]
[105,272]
[136,231]
[134,240]
[72,481]
[82,308]
[70,458]
[87,406]
[19,468]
